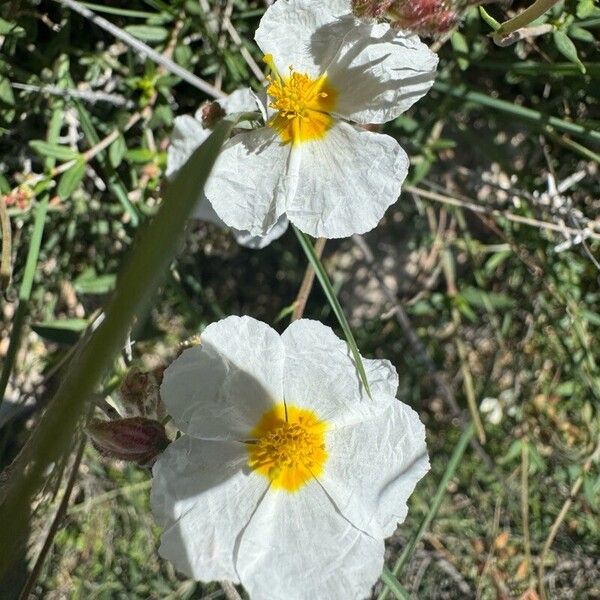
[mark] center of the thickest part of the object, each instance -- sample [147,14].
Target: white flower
[492,409]
[188,134]
[330,177]
[289,476]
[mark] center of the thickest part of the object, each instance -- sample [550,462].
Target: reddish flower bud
[135,439]
[425,17]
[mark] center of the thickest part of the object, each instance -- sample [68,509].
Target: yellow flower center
[288,447]
[303,105]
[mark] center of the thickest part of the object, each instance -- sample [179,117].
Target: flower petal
[298,33]
[203,496]
[346,181]
[379,72]
[187,135]
[319,374]
[373,466]
[251,180]
[245,238]
[298,547]
[382,376]
[220,389]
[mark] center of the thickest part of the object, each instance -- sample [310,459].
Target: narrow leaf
[53,150]
[71,179]
[335,305]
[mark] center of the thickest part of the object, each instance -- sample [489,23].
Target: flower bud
[425,17]
[141,388]
[211,112]
[136,439]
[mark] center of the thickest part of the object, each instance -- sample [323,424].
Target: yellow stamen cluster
[288,447]
[303,105]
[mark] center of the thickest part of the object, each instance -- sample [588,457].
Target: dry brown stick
[307,283]
[5,261]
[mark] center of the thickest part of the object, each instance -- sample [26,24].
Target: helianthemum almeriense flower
[330,72]
[289,476]
[191,131]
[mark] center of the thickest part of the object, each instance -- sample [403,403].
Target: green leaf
[461,50]
[71,179]
[482,299]
[495,25]
[148,33]
[63,331]
[581,34]
[117,150]
[567,48]
[90,283]
[57,151]
[139,155]
[585,9]
[7,28]
[334,303]
[394,585]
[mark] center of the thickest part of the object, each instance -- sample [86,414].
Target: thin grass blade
[323,278]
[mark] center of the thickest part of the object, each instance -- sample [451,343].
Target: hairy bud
[424,17]
[141,388]
[212,113]
[136,439]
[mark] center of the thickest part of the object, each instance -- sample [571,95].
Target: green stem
[536,10]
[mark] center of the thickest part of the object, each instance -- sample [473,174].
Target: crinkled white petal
[251,180]
[245,238]
[298,547]
[319,374]
[379,72]
[187,135]
[220,389]
[301,33]
[346,181]
[382,376]
[373,466]
[203,496]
